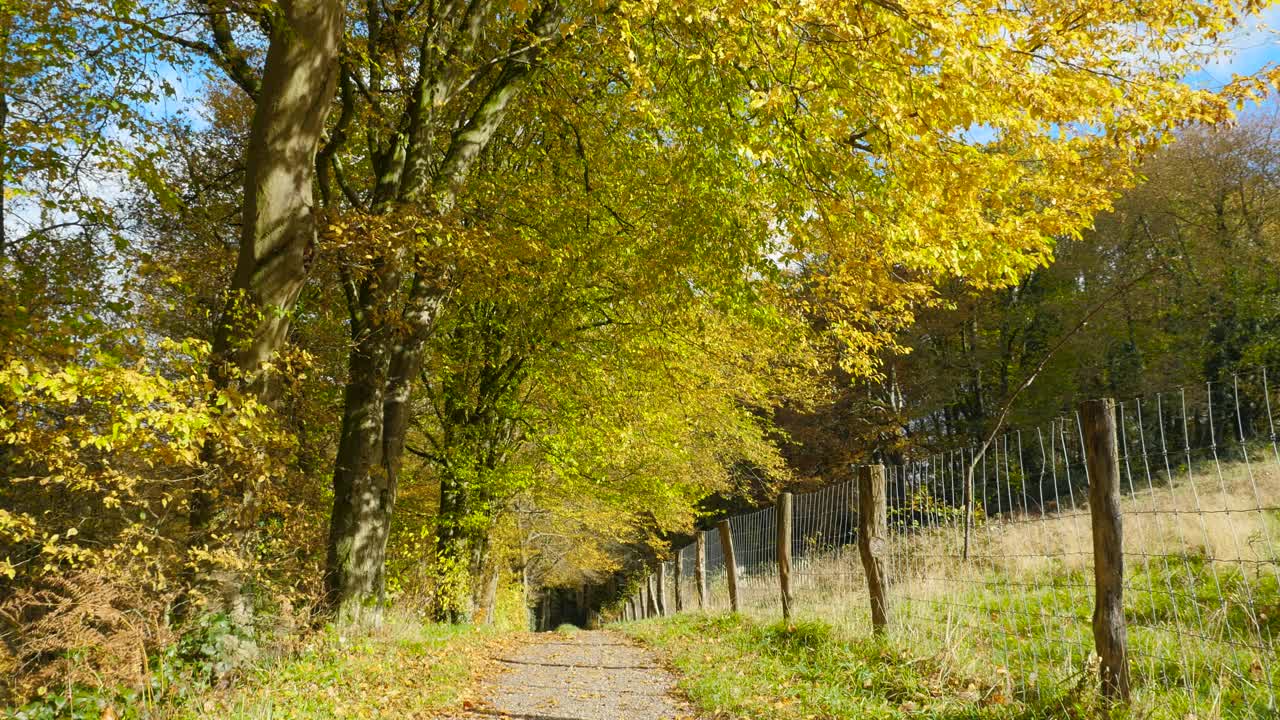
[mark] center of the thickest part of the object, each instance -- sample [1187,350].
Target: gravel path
[589,675]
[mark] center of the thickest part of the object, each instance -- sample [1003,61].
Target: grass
[1201,595]
[403,669]
[738,667]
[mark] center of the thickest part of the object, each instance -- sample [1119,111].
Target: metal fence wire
[1014,589]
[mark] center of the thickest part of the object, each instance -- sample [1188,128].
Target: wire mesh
[1201,470]
[717,580]
[1010,587]
[688,557]
[826,570]
[1007,593]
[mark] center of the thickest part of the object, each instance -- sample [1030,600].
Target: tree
[1172,283]
[278,233]
[887,147]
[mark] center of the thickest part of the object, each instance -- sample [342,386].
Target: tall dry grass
[1202,550]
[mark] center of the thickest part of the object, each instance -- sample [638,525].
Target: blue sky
[1245,52]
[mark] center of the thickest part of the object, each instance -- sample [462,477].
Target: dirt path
[597,675]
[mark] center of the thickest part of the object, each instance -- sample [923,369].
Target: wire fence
[1010,586]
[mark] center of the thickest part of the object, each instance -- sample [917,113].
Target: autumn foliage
[417,301]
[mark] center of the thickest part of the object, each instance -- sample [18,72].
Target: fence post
[661,578]
[681,571]
[653,595]
[1098,422]
[730,563]
[784,553]
[652,599]
[873,535]
[700,569]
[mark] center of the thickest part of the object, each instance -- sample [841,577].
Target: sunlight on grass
[405,669]
[735,666]
[1014,620]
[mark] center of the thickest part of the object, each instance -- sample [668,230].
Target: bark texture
[873,538]
[389,335]
[278,230]
[1098,420]
[277,240]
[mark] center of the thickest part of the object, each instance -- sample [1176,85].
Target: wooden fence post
[681,571]
[661,578]
[873,536]
[653,609]
[784,553]
[730,563]
[1098,423]
[700,570]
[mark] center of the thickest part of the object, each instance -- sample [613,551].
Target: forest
[319,315]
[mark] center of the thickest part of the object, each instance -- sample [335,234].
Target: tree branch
[229,57]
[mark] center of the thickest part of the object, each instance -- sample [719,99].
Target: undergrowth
[403,669]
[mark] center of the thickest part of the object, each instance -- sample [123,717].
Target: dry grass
[1201,593]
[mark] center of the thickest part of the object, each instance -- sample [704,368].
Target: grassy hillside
[1014,620]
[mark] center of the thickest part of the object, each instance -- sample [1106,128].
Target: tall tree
[437,82]
[278,233]
[894,145]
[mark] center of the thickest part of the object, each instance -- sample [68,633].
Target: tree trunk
[276,244]
[363,493]
[482,574]
[487,602]
[278,229]
[451,603]
[379,436]
[4,151]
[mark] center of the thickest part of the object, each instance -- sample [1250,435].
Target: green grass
[403,670]
[1202,601]
[1198,635]
[993,643]
[736,667]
